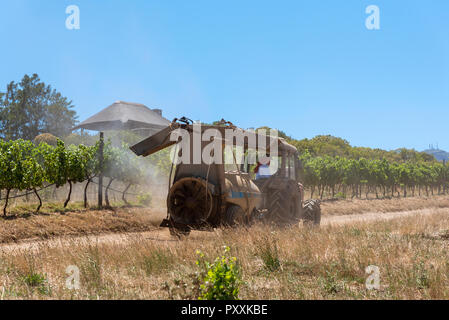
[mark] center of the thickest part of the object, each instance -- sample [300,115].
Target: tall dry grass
[296,263]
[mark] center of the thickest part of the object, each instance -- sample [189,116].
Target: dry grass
[54,221]
[328,263]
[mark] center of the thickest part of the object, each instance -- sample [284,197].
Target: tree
[19,168]
[10,169]
[115,166]
[91,166]
[31,107]
[34,173]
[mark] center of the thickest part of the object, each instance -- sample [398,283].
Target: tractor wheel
[235,216]
[190,201]
[312,212]
[283,207]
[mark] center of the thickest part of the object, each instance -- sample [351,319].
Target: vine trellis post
[100,175]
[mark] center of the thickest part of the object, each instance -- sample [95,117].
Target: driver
[262,169]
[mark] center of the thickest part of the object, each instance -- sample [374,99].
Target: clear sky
[305,67]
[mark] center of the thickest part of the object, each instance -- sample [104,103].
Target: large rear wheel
[283,207]
[190,202]
[312,212]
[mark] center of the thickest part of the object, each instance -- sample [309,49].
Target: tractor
[226,191]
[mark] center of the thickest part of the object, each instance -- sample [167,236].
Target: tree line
[26,166]
[31,107]
[354,177]
[327,145]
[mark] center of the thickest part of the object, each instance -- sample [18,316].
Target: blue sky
[305,67]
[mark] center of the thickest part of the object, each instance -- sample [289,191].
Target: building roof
[125,116]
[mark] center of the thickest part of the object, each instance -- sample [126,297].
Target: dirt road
[375,216]
[163,236]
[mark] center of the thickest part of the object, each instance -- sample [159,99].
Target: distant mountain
[440,155]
